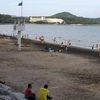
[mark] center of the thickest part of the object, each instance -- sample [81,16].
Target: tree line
[67,17]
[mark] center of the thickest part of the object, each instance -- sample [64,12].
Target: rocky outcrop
[7,93]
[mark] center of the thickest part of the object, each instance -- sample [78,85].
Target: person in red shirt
[29,94]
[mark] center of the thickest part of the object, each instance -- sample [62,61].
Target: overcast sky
[85,8]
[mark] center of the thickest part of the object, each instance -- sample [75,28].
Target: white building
[46,20]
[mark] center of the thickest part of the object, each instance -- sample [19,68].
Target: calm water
[80,35]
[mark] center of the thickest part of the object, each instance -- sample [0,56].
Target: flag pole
[22,9]
[20,27]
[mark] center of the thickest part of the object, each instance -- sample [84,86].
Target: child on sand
[44,93]
[29,94]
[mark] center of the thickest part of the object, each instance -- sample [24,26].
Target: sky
[83,8]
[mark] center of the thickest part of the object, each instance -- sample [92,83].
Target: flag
[20,4]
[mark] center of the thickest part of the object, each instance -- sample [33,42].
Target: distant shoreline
[53,24]
[66,16]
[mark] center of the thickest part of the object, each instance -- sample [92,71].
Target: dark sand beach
[69,76]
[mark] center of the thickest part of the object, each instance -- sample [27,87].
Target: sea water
[79,35]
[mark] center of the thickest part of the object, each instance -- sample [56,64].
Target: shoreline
[56,47]
[70,49]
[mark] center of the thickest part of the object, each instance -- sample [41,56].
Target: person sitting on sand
[44,93]
[29,94]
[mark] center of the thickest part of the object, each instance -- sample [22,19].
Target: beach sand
[69,76]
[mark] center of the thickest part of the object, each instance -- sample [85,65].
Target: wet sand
[69,76]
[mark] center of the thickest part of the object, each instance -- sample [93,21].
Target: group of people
[43,93]
[64,47]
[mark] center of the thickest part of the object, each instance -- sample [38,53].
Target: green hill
[6,19]
[64,15]
[72,19]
